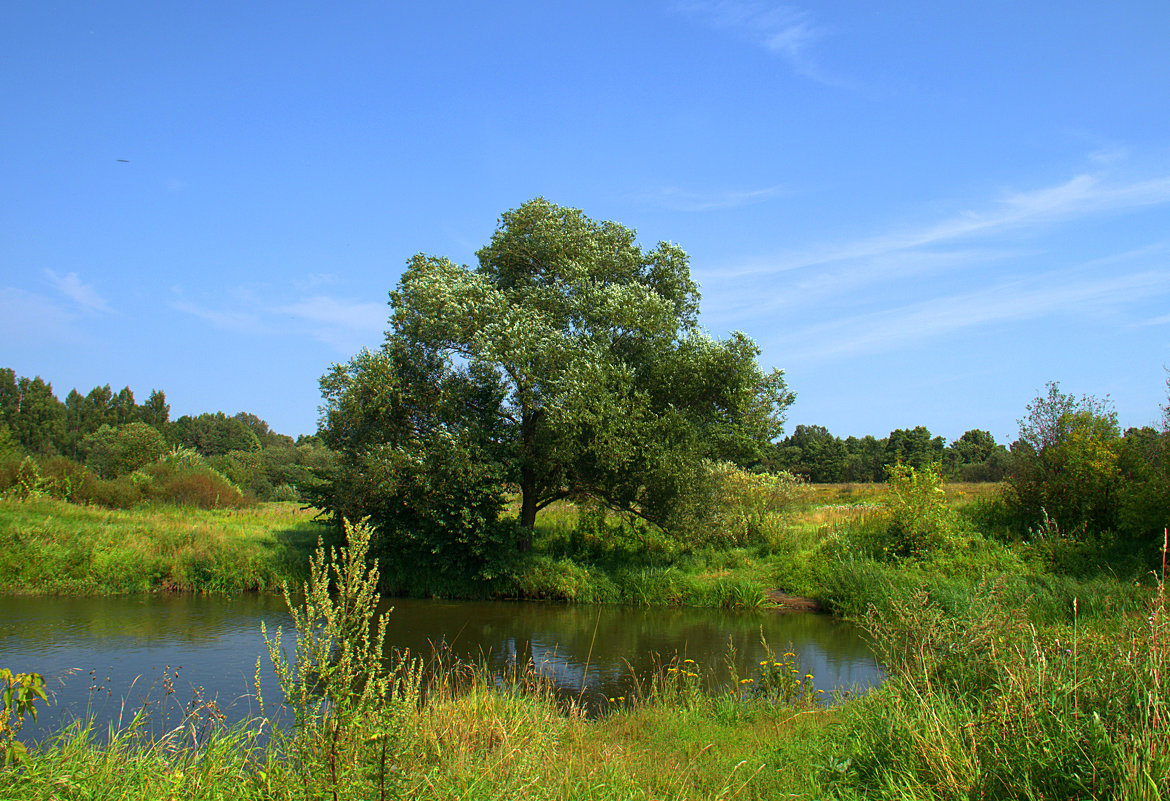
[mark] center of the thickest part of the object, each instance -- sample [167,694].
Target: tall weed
[983,705]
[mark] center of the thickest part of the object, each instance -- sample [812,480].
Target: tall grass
[985,705]
[54,547]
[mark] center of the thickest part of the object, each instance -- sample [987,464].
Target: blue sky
[921,211]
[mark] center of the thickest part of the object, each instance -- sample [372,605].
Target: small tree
[1066,464]
[1145,492]
[111,452]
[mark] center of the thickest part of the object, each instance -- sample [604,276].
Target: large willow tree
[568,364]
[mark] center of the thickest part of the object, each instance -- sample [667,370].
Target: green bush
[112,452]
[915,519]
[1066,464]
[41,477]
[117,493]
[203,488]
[746,505]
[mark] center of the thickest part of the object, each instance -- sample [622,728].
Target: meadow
[1025,667]
[51,546]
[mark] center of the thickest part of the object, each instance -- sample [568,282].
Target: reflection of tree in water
[216,641]
[599,647]
[169,619]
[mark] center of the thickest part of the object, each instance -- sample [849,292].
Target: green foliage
[111,452]
[813,452]
[437,511]
[914,447]
[1066,464]
[19,693]
[9,447]
[214,434]
[201,487]
[915,520]
[816,454]
[32,413]
[568,364]
[1144,495]
[44,477]
[919,517]
[747,506]
[341,697]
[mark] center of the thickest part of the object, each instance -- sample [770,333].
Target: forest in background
[106,448]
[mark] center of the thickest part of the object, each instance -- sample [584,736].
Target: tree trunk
[527,507]
[529,421]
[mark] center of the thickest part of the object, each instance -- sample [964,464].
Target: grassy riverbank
[982,703]
[53,547]
[827,546]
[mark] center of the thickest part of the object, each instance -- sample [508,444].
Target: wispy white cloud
[84,295]
[239,321]
[314,280]
[752,295]
[687,200]
[1007,301]
[346,325]
[1079,197]
[785,30]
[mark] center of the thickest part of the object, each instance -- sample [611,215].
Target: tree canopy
[569,364]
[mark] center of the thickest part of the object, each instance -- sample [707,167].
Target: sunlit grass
[55,547]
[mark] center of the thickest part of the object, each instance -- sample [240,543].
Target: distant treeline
[814,453]
[113,436]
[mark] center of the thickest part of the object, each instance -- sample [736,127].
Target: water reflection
[108,655]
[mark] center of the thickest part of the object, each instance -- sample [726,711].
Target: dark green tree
[98,409]
[914,447]
[111,452]
[822,457]
[976,456]
[38,421]
[866,459]
[9,397]
[156,411]
[213,434]
[123,408]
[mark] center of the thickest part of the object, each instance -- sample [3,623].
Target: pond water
[109,656]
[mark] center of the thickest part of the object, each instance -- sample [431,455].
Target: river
[108,657]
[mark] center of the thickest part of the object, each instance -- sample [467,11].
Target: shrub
[118,493]
[41,477]
[286,492]
[1066,464]
[746,504]
[915,518]
[1144,495]
[114,452]
[435,507]
[202,487]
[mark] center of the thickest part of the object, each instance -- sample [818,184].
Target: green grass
[1008,678]
[54,547]
[980,705]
